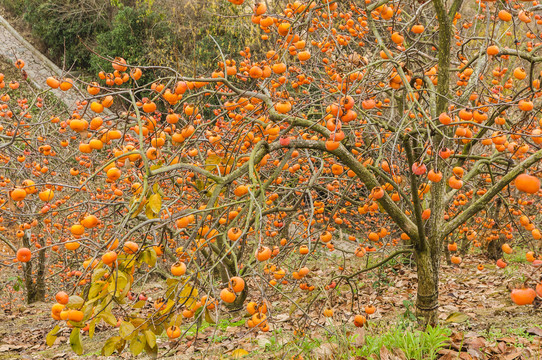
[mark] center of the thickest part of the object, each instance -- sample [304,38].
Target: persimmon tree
[394,126]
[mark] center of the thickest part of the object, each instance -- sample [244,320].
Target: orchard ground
[476,306]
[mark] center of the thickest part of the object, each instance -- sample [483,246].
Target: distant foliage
[197,23]
[60,24]
[157,32]
[137,34]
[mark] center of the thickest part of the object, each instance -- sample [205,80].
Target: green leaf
[199,184]
[75,302]
[127,330]
[155,203]
[456,317]
[110,345]
[75,341]
[151,338]
[137,344]
[52,335]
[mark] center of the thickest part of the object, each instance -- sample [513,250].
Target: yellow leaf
[188,295]
[127,330]
[149,213]
[75,341]
[151,338]
[456,317]
[51,336]
[140,206]
[239,353]
[137,344]
[155,203]
[75,302]
[168,307]
[212,161]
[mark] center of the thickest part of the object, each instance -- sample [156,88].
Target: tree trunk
[464,245]
[226,272]
[35,294]
[35,289]
[447,255]
[428,280]
[494,248]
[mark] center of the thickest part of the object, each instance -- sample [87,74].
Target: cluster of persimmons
[231,186]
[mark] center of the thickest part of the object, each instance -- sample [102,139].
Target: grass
[343,341]
[518,256]
[220,325]
[415,344]
[493,333]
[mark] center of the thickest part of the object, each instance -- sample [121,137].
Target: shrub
[61,24]
[137,34]
[197,23]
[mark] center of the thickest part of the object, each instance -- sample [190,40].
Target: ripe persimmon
[178,269]
[456,260]
[62,298]
[527,183]
[359,320]
[227,295]
[237,284]
[130,247]
[75,315]
[109,257]
[173,332]
[524,296]
[24,255]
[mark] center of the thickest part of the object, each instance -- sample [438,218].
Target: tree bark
[494,248]
[35,289]
[428,280]
[447,255]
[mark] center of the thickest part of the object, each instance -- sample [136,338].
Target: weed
[415,344]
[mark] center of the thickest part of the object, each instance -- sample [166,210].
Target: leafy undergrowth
[478,320]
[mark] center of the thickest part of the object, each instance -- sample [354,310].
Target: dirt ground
[475,306]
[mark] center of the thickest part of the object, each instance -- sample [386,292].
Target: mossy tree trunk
[428,247]
[35,287]
[427,294]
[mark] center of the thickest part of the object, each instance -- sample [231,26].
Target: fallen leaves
[473,346]
[457,317]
